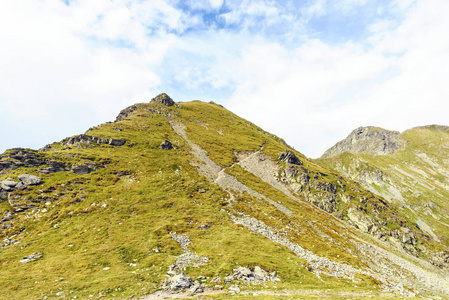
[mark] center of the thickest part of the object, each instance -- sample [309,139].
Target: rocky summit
[187,200]
[370,140]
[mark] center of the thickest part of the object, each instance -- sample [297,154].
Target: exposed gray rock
[117,142]
[325,201]
[30,258]
[6,218]
[178,282]
[360,220]
[88,139]
[8,185]
[163,99]
[251,276]
[20,157]
[124,114]
[369,140]
[290,158]
[166,145]
[196,288]
[24,181]
[8,242]
[188,258]
[83,169]
[440,259]
[205,226]
[3,195]
[27,179]
[83,139]
[53,167]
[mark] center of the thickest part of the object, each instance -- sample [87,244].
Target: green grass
[91,250]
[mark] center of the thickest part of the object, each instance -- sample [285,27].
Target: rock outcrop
[30,258]
[20,157]
[24,181]
[83,169]
[252,276]
[370,140]
[87,139]
[164,99]
[166,145]
[290,158]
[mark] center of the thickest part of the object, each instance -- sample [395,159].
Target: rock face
[83,169]
[370,140]
[117,142]
[87,139]
[126,112]
[20,157]
[53,167]
[163,99]
[166,145]
[290,158]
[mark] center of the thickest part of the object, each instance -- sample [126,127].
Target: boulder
[196,288]
[32,257]
[166,145]
[179,282]
[163,99]
[290,158]
[260,273]
[117,142]
[82,169]
[27,180]
[8,185]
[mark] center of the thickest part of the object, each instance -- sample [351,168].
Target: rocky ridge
[370,140]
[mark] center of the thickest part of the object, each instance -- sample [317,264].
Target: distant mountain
[410,170]
[178,199]
[369,140]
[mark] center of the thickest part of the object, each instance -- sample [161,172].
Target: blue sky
[307,71]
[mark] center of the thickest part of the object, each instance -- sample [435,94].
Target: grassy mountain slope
[413,179]
[114,213]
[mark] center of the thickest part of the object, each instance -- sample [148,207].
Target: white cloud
[49,70]
[325,91]
[78,65]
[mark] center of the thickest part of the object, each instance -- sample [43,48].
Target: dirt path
[218,175]
[388,267]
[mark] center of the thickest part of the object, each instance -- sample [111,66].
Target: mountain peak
[370,140]
[164,99]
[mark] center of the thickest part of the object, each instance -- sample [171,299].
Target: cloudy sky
[309,71]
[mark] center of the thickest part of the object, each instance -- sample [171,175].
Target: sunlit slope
[120,212]
[414,179]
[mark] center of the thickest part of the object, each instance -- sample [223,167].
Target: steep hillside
[188,196]
[413,179]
